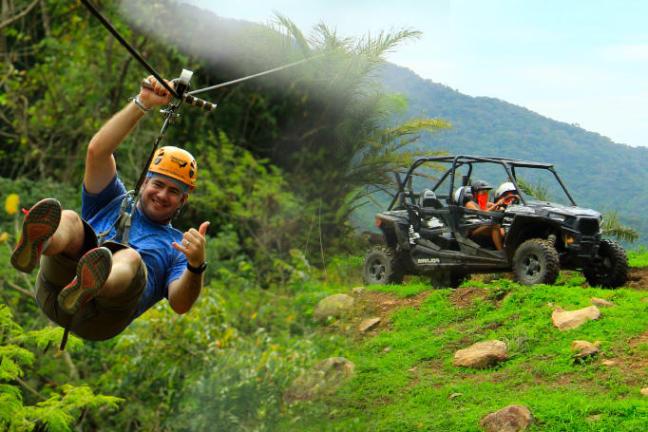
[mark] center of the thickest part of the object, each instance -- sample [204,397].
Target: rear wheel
[382,267]
[611,268]
[536,261]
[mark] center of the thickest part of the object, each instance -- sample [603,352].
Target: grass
[404,374]
[410,289]
[638,257]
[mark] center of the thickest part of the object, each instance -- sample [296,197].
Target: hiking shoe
[41,221]
[92,271]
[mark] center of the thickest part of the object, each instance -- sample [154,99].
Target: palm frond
[612,227]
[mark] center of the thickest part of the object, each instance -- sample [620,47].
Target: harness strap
[66,333]
[71,321]
[122,222]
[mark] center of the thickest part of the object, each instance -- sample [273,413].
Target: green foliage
[248,195]
[47,122]
[404,290]
[223,366]
[344,270]
[30,192]
[56,412]
[537,191]
[343,138]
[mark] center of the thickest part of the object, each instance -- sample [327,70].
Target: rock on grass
[567,320]
[481,355]
[512,418]
[335,305]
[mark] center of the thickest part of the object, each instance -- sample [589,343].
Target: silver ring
[186,242]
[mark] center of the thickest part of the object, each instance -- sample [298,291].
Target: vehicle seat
[429,199]
[463,195]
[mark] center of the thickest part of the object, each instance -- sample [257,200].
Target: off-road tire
[536,261]
[612,272]
[383,266]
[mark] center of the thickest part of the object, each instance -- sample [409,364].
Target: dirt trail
[638,278]
[385,303]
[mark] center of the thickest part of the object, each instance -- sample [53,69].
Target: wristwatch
[197,270]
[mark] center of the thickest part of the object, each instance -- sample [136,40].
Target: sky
[576,61]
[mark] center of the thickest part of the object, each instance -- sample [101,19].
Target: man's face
[161,198]
[509,197]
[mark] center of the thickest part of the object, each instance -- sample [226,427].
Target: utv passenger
[479,201]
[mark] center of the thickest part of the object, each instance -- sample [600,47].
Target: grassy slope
[404,373]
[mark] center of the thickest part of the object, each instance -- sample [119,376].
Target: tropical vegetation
[284,162]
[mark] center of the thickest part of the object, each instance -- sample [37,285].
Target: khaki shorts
[100,318]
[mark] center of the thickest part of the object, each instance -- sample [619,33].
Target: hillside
[600,174]
[402,376]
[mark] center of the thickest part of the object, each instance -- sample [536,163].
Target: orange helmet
[176,163]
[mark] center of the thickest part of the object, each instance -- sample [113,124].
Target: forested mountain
[599,173]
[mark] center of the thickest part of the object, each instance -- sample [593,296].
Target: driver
[480,190]
[506,194]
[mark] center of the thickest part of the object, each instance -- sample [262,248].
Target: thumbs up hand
[193,245]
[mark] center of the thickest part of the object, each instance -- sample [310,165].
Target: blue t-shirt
[152,240]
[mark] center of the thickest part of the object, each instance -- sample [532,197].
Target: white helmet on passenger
[503,188]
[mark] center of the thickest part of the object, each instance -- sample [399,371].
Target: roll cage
[405,184]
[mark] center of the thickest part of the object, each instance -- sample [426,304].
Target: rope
[128,46]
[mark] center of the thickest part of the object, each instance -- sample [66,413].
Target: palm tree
[344,138]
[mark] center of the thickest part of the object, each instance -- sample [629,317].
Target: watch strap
[197,270]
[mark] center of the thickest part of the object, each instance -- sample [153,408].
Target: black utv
[431,231]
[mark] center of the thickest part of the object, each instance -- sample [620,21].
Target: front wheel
[536,261]
[382,267]
[610,270]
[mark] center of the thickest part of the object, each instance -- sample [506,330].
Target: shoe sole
[39,225]
[92,271]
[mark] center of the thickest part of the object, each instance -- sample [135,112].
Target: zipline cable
[187,96]
[245,78]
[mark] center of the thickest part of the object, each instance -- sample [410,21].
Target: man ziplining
[97,289]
